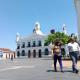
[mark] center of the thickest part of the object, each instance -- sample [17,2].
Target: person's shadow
[59,71]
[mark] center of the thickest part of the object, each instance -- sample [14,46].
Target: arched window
[18,46]
[46,52]
[29,44]
[34,53]
[40,53]
[39,43]
[34,44]
[18,53]
[23,52]
[23,45]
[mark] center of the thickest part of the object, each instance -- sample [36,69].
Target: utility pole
[77,7]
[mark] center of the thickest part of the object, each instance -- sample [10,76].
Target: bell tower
[64,29]
[77,6]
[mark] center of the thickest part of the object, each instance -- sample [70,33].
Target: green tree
[57,36]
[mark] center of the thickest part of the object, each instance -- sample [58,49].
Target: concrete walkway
[35,69]
[67,64]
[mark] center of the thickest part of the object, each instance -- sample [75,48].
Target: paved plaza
[35,69]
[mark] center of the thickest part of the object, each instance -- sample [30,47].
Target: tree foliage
[57,36]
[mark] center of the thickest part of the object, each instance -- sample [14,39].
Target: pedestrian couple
[73,49]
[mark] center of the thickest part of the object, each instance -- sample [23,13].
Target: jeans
[74,57]
[56,57]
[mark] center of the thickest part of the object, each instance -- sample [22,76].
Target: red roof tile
[5,49]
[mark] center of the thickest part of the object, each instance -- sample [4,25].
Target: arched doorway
[46,52]
[23,53]
[63,52]
[14,54]
[40,53]
[29,54]
[18,54]
[34,53]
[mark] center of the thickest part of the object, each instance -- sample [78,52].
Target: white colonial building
[32,45]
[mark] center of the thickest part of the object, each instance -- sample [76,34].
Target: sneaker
[62,71]
[76,71]
[55,70]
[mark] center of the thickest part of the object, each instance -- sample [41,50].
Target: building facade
[32,45]
[6,53]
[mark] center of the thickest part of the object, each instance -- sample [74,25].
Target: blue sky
[21,15]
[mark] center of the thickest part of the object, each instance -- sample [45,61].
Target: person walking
[11,57]
[57,55]
[73,48]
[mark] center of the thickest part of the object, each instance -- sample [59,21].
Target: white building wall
[36,36]
[33,48]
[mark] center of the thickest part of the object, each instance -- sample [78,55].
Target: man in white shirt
[73,48]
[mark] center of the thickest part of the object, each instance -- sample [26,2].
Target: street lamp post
[77,7]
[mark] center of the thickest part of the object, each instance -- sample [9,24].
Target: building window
[46,51]
[29,44]
[34,44]
[18,46]
[39,43]
[23,45]
[23,53]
